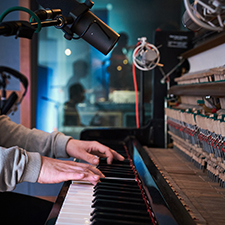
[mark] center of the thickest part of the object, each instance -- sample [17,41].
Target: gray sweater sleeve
[21,149]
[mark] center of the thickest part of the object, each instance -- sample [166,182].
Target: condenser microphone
[189,23]
[206,14]
[86,25]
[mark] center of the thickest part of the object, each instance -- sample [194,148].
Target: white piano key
[76,207]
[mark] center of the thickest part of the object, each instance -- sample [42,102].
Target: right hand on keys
[88,150]
[56,171]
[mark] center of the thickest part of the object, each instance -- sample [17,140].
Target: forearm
[32,140]
[16,166]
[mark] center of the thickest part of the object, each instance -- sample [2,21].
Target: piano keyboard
[118,199]
[76,208]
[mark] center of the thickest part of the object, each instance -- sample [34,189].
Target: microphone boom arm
[83,23]
[26,29]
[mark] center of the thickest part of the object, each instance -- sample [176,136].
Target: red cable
[136,96]
[136,91]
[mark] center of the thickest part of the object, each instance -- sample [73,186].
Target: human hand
[88,150]
[56,171]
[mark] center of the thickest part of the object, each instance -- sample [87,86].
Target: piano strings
[197,125]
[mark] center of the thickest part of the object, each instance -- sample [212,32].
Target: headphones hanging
[6,104]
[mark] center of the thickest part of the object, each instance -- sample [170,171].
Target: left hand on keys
[56,171]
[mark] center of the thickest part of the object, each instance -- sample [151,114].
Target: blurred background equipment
[206,14]
[6,104]
[145,57]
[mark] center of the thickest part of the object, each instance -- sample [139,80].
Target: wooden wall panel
[25,68]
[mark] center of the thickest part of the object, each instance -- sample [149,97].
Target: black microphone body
[86,24]
[99,35]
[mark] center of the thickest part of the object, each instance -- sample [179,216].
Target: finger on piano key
[117,199]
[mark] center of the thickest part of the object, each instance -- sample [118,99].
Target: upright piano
[128,195]
[183,185]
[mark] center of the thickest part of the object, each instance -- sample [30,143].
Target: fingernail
[81,175]
[96,177]
[95,161]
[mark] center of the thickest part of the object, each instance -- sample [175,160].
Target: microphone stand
[26,30]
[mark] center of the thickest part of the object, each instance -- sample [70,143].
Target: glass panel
[79,87]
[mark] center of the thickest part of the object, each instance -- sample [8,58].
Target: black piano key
[120,175]
[122,164]
[103,161]
[117,170]
[134,212]
[119,199]
[116,222]
[122,171]
[118,204]
[113,167]
[117,187]
[118,181]
[121,217]
[116,192]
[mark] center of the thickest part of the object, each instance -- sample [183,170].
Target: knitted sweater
[21,149]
